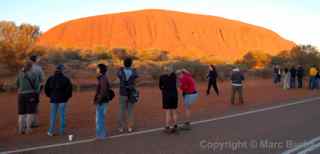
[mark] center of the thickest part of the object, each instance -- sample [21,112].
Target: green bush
[198,70]
[104,56]
[72,55]
[56,58]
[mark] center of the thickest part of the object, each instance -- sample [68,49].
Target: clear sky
[296,20]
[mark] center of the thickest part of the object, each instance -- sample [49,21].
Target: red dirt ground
[148,113]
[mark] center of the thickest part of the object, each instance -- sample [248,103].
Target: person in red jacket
[189,92]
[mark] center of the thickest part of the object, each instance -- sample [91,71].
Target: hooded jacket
[58,88]
[236,77]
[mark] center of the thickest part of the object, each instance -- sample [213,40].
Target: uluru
[181,34]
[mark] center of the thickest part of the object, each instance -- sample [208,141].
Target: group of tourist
[294,77]
[58,88]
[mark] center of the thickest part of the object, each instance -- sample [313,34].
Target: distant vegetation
[18,42]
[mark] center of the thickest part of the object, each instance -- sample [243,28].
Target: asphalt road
[274,130]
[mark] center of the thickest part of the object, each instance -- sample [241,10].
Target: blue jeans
[312,82]
[101,131]
[189,99]
[57,107]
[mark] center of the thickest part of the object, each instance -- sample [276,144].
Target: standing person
[59,89]
[300,75]
[37,69]
[128,95]
[190,94]
[312,77]
[279,74]
[212,80]
[286,79]
[293,75]
[237,78]
[276,72]
[28,89]
[317,80]
[101,100]
[168,87]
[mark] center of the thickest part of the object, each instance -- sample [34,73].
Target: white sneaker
[50,134]
[121,130]
[130,130]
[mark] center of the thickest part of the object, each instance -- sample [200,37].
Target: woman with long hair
[212,80]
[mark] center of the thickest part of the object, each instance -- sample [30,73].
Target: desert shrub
[56,58]
[101,53]
[119,53]
[154,55]
[38,50]
[149,68]
[104,56]
[71,54]
[15,43]
[305,55]
[255,59]
[198,69]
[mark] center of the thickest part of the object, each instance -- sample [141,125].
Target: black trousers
[213,83]
[300,82]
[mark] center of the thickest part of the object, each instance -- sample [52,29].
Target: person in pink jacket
[189,92]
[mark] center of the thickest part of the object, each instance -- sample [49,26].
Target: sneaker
[130,130]
[174,130]
[121,130]
[167,130]
[50,134]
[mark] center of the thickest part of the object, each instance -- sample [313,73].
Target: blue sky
[296,20]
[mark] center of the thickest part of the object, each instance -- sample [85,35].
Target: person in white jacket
[286,79]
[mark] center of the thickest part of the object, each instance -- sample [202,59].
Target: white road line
[159,129]
[309,149]
[302,146]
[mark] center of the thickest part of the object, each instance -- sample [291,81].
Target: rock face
[182,34]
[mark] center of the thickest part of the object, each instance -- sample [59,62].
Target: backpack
[133,93]
[111,95]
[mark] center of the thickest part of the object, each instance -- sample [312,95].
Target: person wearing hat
[59,89]
[237,86]
[37,70]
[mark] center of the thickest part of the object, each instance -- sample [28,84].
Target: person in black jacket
[101,101]
[293,75]
[168,86]
[59,89]
[212,80]
[237,79]
[300,75]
